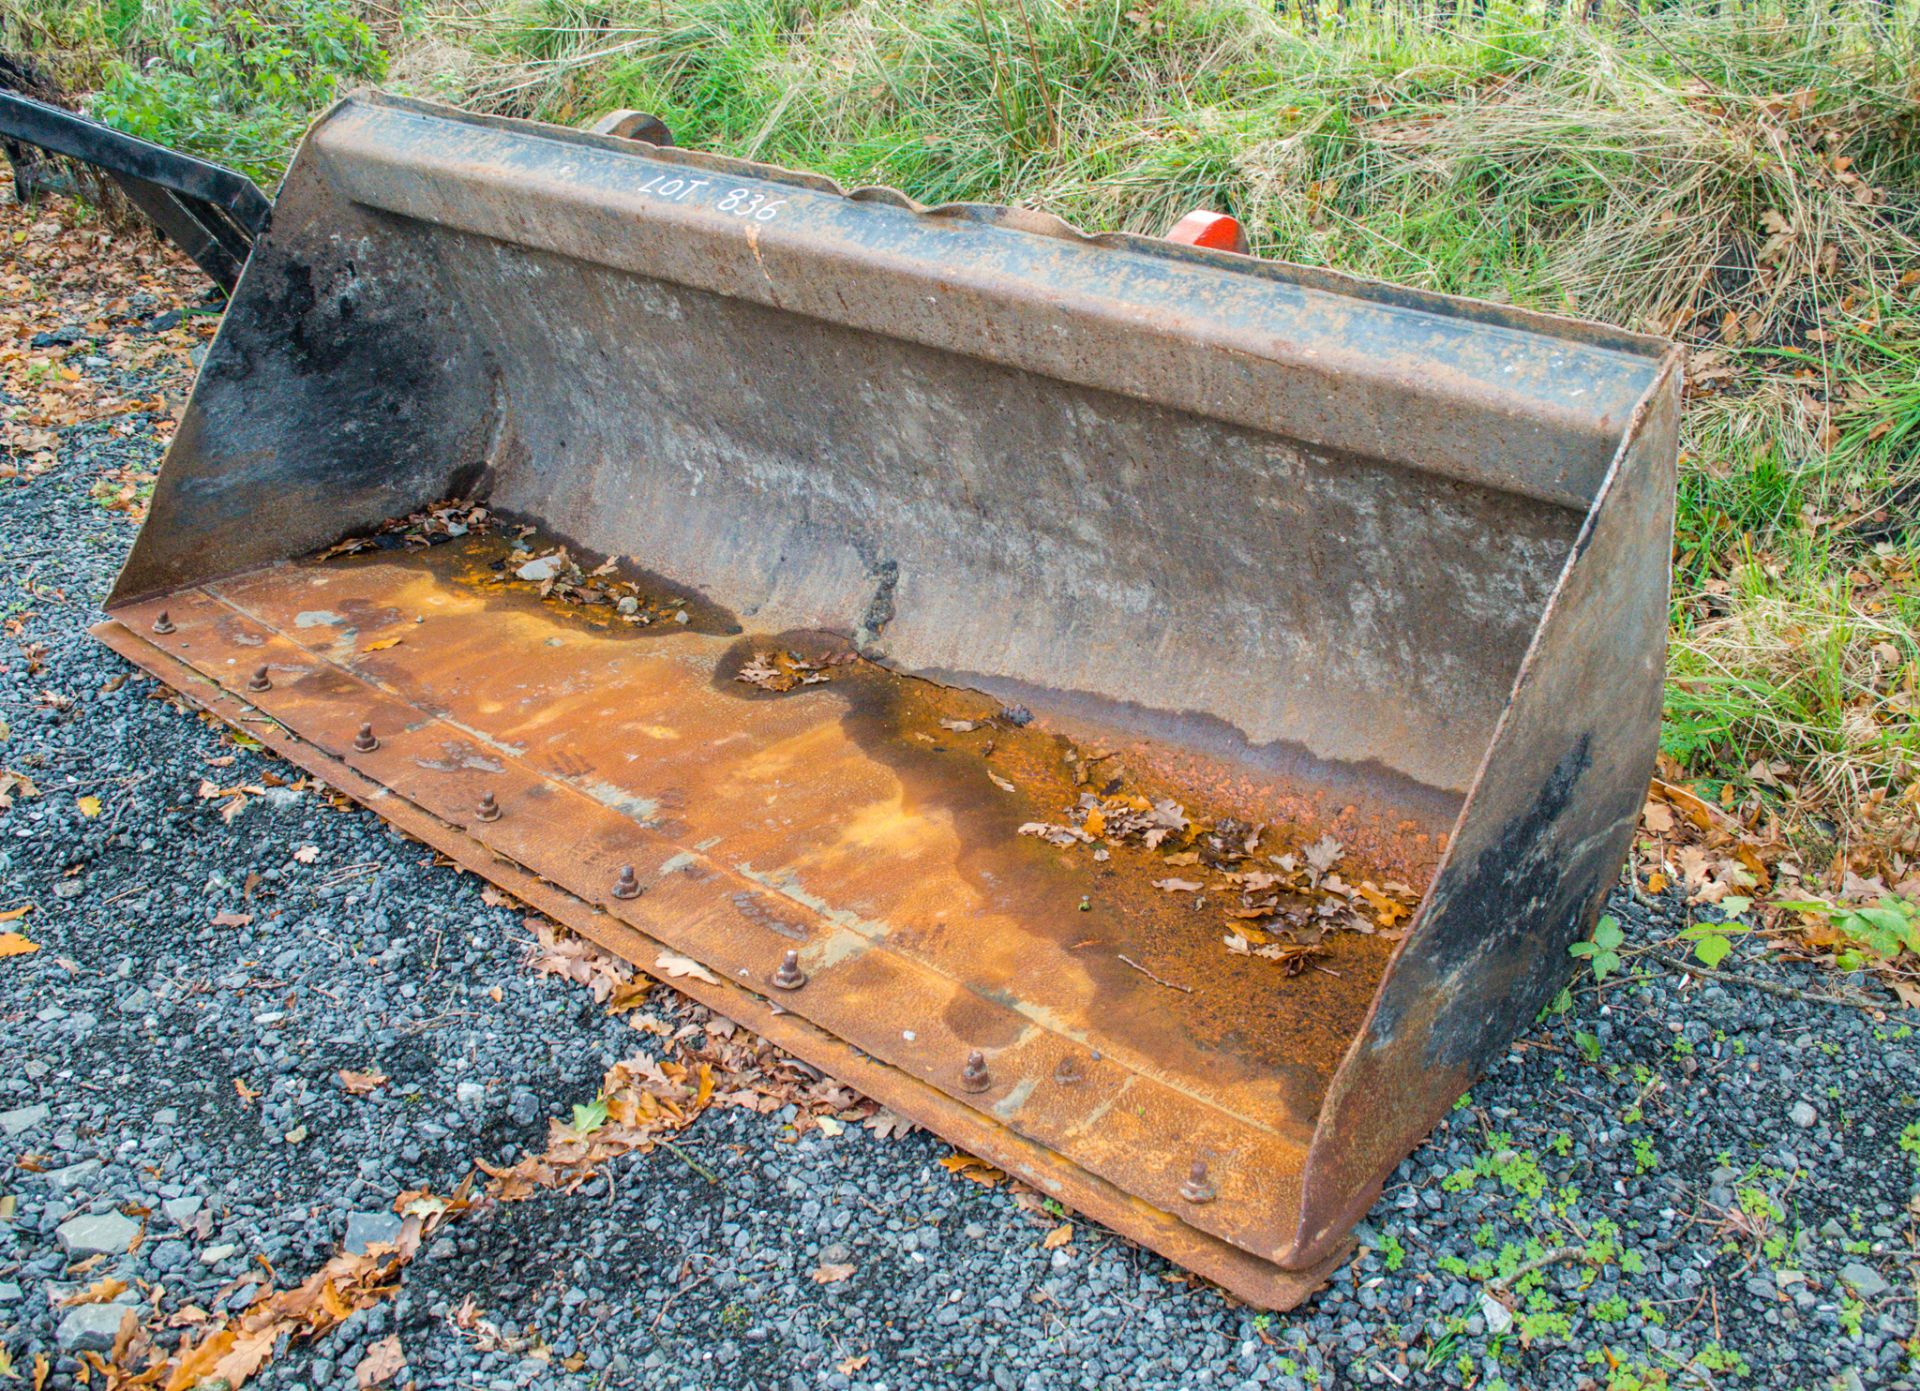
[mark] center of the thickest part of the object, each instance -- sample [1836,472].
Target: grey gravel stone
[1803,1115]
[71,1176]
[365,1228]
[98,1234]
[1864,1279]
[24,1118]
[91,1327]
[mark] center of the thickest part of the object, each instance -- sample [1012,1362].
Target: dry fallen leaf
[246,1093]
[967,1166]
[306,854]
[226,917]
[629,996]
[381,1364]
[14,914]
[831,1274]
[1058,1237]
[16,944]
[101,1291]
[847,1366]
[1179,886]
[889,1125]
[1324,853]
[361,1083]
[682,966]
[381,646]
[89,805]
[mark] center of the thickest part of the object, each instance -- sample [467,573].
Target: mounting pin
[1198,1188]
[789,976]
[163,625]
[260,681]
[974,1076]
[489,810]
[626,886]
[364,742]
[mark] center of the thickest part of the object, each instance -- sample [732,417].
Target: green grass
[1747,181]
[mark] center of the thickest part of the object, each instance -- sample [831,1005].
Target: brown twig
[1785,992]
[1158,980]
[1504,1284]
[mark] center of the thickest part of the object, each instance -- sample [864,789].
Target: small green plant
[1715,1358]
[1645,1157]
[1910,1143]
[1852,1316]
[1878,933]
[1712,941]
[1589,1046]
[1392,1254]
[1602,951]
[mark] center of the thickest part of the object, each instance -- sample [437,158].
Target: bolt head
[1198,1188]
[789,976]
[627,885]
[162,624]
[260,681]
[489,810]
[974,1077]
[364,741]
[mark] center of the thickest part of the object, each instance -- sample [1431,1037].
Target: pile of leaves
[433,525]
[550,570]
[556,575]
[73,288]
[227,1349]
[777,669]
[1730,853]
[640,1102]
[1277,906]
[744,1069]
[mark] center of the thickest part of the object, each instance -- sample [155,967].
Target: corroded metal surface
[1333,558]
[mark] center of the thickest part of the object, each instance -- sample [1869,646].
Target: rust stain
[848,818]
[850,797]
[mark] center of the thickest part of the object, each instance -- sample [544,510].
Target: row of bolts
[974,1077]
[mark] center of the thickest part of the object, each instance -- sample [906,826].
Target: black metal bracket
[211,213]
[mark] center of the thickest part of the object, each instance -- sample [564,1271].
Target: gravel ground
[1715,1173]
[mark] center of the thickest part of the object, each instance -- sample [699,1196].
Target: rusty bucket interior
[1156,717]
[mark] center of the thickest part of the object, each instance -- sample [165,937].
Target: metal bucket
[1156,717]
